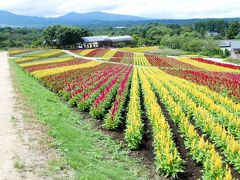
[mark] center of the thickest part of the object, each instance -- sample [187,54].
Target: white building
[233,46]
[103,41]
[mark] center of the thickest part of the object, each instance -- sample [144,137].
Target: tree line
[20,37]
[54,36]
[196,37]
[229,30]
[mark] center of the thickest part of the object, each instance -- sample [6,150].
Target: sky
[160,9]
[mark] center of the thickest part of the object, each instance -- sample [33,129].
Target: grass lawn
[232,60]
[90,153]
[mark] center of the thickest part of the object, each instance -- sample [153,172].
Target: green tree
[18,37]
[233,30]
[227,53]
[63,37]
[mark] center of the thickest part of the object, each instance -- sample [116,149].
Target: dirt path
[220,61]
[22,155]
[9,142]
[89,58]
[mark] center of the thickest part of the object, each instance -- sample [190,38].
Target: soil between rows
[192,169]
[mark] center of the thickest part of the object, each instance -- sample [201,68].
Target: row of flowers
[128,58]
[80,85]
[66,80]
[109,55]
[99,91]
[206,66]
[225,83]
[134,124]
[217,63]
[46,62]
[97,53]
[105,98]
[203,119]
[114,117]
[43,67]
[201,150]
[58,70]
[226,116]
[139,49]
[168,160]
[169,63]
[140,59]
[83,85]
[39,56]
[18,51]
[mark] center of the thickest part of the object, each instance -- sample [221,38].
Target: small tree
[227,53]
[238,36]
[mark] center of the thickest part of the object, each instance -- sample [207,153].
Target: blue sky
[180,9]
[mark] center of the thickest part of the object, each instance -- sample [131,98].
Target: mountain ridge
[100,16]
[88,19]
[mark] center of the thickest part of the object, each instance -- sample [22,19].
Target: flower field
[207,66]
[185,111]
[32,56]
[140,49]
[18,51]
[143,59]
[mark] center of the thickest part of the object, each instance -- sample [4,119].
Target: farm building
[103,41]
[232,45]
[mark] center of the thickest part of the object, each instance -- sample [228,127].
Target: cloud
[146,8]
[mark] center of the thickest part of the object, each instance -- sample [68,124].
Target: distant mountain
[99,16]
[11,19]
[87,19]
[73,18]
